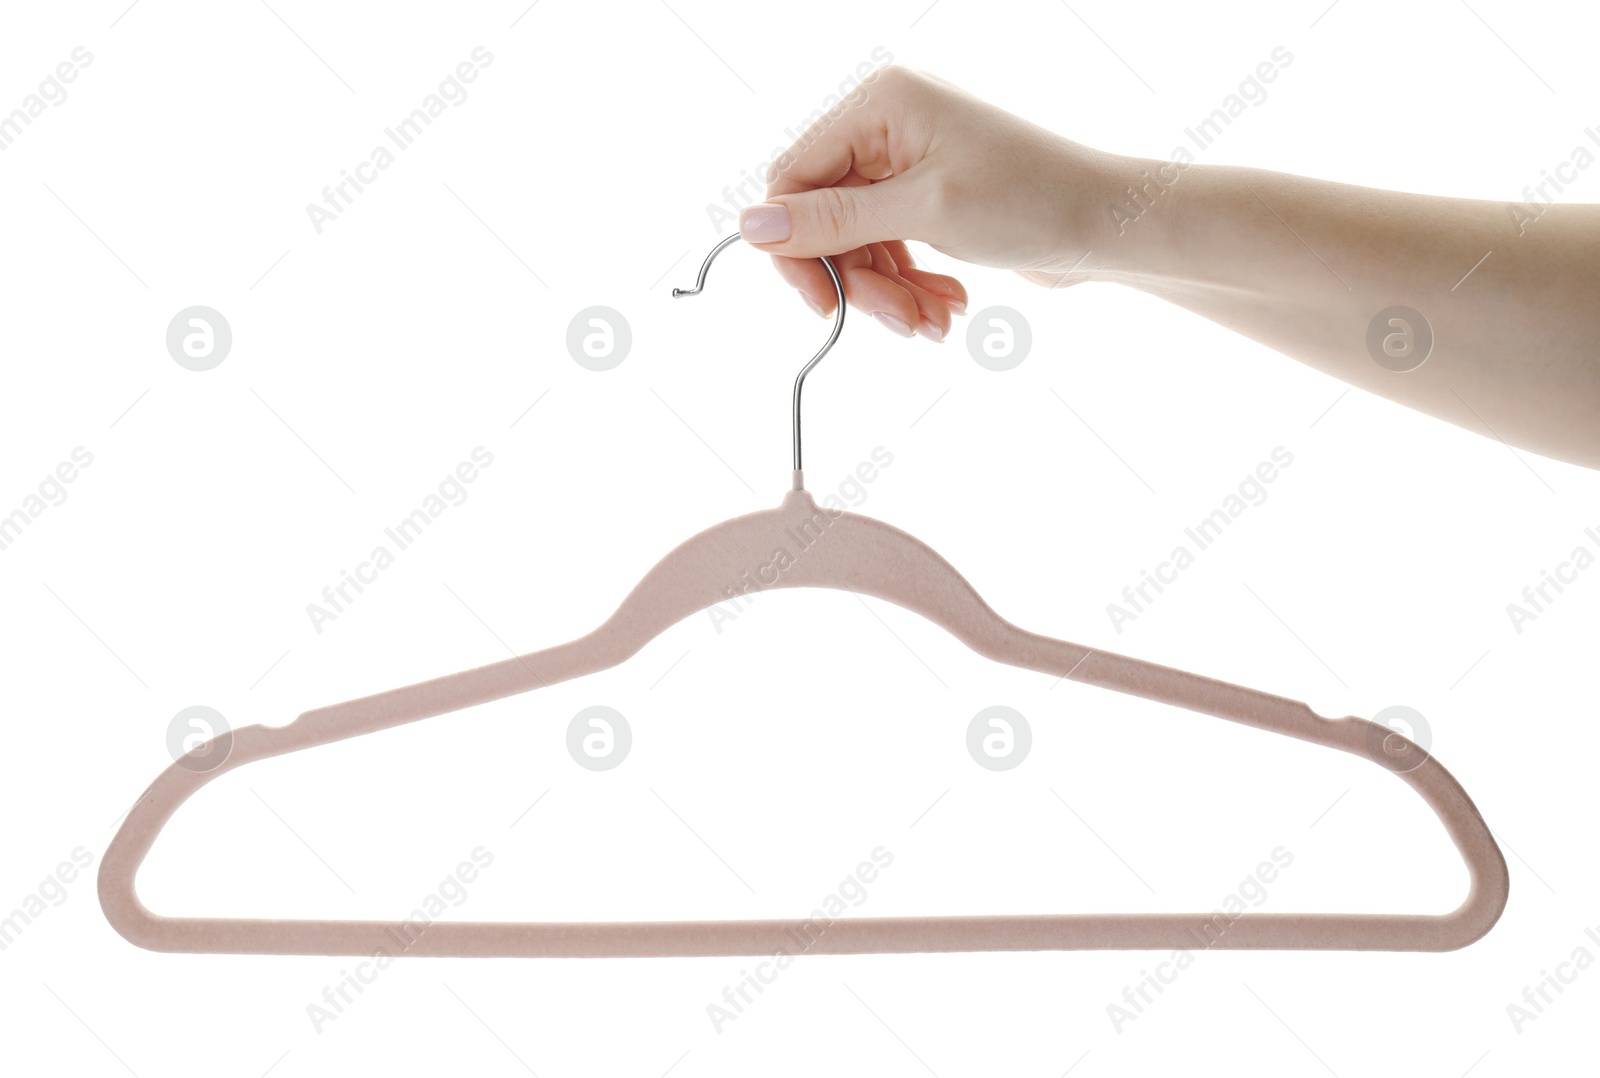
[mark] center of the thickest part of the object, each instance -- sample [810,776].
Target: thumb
[831,220]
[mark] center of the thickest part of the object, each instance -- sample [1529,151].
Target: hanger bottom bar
[864,935]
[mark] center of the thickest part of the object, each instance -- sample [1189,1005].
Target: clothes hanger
[854,553]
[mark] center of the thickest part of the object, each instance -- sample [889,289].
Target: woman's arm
[1480,313]
[1500,327]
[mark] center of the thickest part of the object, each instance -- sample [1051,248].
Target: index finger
[864,134]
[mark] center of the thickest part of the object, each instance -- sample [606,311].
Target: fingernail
[814,305]
[957,306]
[767,222]
[890,322]
[933,331]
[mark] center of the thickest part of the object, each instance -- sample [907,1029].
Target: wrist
[1134,233]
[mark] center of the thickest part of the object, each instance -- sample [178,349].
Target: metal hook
[800,379]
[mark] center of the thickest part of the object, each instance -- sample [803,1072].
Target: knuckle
[893,75]
[835,212]
[896,81]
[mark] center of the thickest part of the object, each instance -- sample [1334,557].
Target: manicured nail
[767,222]
[932,331]
[890,322]
[957,306]
[814,305]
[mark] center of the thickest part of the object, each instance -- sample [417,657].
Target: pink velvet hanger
[862,555]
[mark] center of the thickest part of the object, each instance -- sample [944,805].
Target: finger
[938,283]
[886,296]
[900,253]
[871,284]
[933,311]
[812,278]
[822,198]
[866,136]
[887,302]
[833,219]
[948,288]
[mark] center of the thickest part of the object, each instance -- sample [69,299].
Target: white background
[772,756]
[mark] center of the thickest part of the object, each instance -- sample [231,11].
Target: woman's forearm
[1305,267]
[1479,313]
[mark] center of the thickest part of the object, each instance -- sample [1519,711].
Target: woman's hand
[920,159]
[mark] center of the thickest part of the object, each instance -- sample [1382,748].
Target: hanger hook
[800,379]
